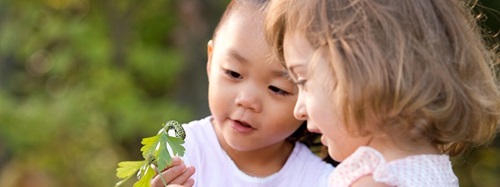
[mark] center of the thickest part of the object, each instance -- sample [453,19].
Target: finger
[189,183]
[168,175]
[186,174]
[175,161]
[174,185]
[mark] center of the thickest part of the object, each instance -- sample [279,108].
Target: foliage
[480,167]
[155,151]
[80,83]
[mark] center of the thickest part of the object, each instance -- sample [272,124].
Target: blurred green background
[82,81]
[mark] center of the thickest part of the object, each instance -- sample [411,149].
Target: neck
[260,162]
[393,151]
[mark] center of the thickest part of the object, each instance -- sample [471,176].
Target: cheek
[342,144]
[283,120]
[284,115]
[322,114]
[220,97]
[218,87]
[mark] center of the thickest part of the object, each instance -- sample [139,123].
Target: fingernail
[190,168]
[176,159]
[182,166]
[178,168]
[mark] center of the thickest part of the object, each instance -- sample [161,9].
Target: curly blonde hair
[421,67]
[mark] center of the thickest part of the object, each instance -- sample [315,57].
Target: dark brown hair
[233,6]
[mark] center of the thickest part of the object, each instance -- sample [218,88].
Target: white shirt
[215,168]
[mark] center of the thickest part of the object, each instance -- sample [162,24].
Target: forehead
[304,60]
[241,40]
[243,18]
[297,50]
[243,32]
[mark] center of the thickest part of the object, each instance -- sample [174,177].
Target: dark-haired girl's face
[251,98]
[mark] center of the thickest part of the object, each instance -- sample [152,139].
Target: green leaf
[145,180]
[149,146]
[155,152]
[128,168]
[176,145]
[164,158]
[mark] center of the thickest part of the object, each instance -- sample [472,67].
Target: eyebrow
[281,73]
[291,71]
[290,68]
[278,73]
[234,54]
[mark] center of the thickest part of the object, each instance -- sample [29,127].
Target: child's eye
[278,91]
[233,74]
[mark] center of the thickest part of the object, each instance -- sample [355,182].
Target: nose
[248,98]
[300,109]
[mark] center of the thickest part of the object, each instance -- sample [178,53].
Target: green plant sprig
[156,156]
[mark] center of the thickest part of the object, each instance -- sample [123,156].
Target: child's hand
[177,173]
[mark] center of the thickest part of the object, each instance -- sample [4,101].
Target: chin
[335,156]
[238,146]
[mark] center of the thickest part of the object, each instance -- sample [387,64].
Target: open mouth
[242,123]
[242,127]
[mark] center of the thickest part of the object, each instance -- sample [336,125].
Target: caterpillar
[179,130]
[151,159]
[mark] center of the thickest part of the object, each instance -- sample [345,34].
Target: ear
[210,49]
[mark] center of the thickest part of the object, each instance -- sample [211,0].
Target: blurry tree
[491,8]
[81,81]
[198,19]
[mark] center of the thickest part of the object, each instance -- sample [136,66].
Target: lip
[239,127]
[323,140]
[312,128]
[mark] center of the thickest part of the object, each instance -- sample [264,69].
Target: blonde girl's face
[251,98]
[317,102]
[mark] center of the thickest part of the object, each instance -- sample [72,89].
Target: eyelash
[233,74]
[274,89]
[279,91]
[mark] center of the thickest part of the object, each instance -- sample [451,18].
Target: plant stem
[161,176]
